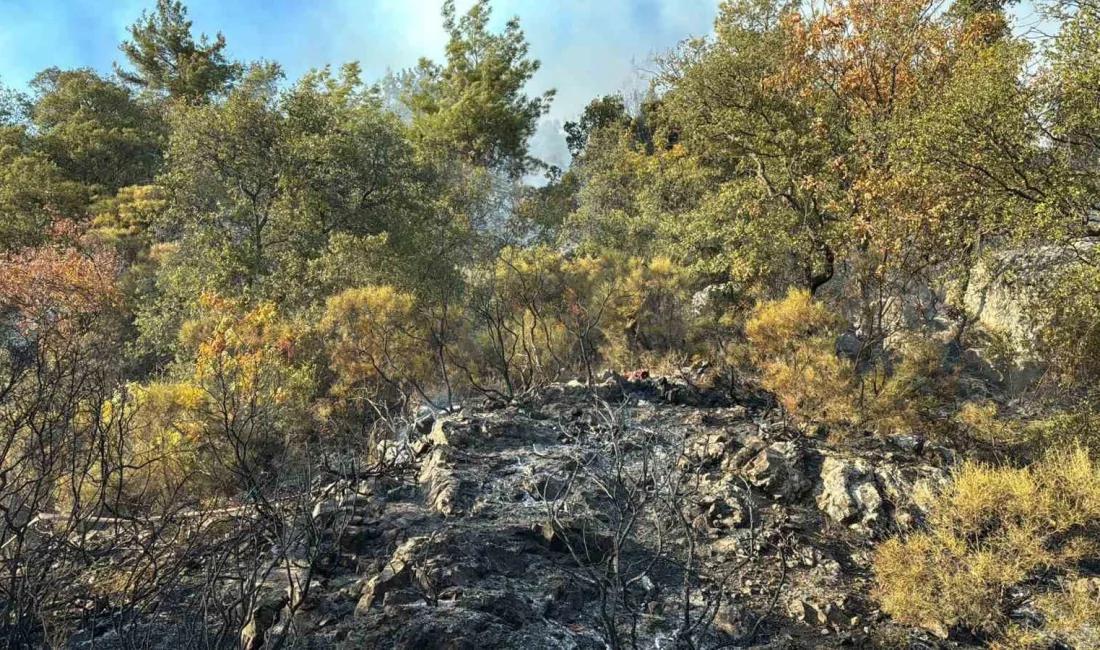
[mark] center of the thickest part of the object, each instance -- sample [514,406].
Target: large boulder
[1004,289]
[857,492]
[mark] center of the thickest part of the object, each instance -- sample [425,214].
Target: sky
[588,48]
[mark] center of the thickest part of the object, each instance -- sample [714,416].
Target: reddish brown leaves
[55,283]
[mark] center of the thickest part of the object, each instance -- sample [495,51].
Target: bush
[650,321]
[376,349]
[256,391]
[792,343]
[1073,612]
[556,308]
[993,530]
[912,396]
[1070,311]
[513,337]
[165,447]
[1062,428]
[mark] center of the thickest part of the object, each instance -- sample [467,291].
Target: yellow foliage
[1064,429]
[980,421]
[166,443]
[531,284]
[130,212]
[779,327]
[792,342]
[374,342]
[649,321]
[248,394]
[993,529]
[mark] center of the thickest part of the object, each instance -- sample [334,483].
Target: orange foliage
[239,341]
[57,283]
[871,55]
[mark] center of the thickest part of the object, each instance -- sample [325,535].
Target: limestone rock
[848,493]
[262,618]
[395,574]
[777,470]
[450,431]
[437,478]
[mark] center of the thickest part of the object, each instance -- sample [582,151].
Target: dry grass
[992,530]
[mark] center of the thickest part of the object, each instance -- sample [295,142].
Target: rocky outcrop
[1002,294]
[394,574]
[501,527]
[855,492]
[438,479]
[778,470]
[260,621]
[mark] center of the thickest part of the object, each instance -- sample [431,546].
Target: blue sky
[587,47]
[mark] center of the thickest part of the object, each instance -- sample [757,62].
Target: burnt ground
[646,513]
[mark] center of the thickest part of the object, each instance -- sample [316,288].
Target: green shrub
[914,395]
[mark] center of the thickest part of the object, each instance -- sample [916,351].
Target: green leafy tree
[34,192]
[14,106]
[266,177]
[600,113]
[265,188]
[474,104]
[166,58]
[95,130]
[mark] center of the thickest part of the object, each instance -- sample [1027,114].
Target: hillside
[802,350]
[547,522]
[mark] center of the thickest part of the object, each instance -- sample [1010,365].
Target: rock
[829,615]
[753,446]
[356,539]
[1003,290]
[392,452]
[390,571]
[262,618]
[395,574]
[450,431]
[909,490]
[399,597]
[910,443]
[776,470]
[732,621]
[807,612]
[849,344]
[325,511]
[707,449]
[848,493]
[709,300]
[976,363]
[439,481]
[328,512]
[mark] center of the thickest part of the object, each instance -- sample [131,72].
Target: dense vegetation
[214,280]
